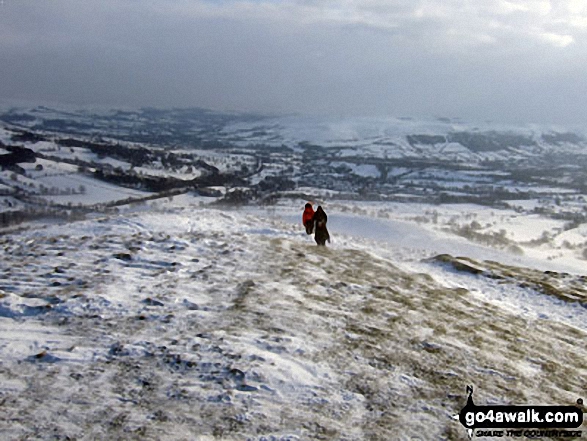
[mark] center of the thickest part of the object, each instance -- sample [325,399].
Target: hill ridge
[196,322]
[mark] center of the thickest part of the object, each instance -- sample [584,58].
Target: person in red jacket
[308,218]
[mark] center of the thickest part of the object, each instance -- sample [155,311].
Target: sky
[487,60]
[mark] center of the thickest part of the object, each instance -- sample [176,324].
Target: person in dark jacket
[308,218]
[321,232]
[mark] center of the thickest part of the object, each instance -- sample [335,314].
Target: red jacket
[308,215]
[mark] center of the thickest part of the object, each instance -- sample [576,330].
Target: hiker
[321,233]
[308,218]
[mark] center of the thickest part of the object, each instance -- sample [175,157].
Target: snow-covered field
[185,322]
[61,183]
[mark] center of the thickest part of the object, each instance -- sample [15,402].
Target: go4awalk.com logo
[521,421]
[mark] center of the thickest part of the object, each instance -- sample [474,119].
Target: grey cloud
[339,57]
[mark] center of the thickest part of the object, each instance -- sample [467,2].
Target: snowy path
[202,324]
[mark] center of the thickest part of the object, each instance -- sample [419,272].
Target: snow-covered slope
[391,137]
[196,323]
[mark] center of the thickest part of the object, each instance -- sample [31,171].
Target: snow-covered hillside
[187,322]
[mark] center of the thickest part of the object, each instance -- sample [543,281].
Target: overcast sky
[502,60]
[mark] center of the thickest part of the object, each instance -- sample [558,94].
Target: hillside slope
[196,323]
